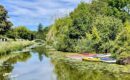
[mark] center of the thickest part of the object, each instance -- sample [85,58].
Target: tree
[5,25]
[81,21]
[119,8]
[12,34]
[21,32]
[40,28]
[43,33]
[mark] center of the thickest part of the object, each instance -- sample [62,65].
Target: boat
[89,55]
[75,56]
[108,60]
[91,59]
[103,55]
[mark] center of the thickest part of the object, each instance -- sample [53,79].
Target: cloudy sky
[32,12]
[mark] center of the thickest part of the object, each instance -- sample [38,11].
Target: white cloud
[32,12]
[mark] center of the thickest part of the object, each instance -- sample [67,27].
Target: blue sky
[32,12]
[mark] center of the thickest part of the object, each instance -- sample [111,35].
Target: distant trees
[20,32]
[40,28]
[5,25]
[41,32]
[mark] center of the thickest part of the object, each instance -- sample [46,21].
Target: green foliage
[41,33]
[60,41]
[122,41]
[81,22]
[119,8]
[108,26]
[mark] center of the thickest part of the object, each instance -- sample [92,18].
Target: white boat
[109,61]
[103,55]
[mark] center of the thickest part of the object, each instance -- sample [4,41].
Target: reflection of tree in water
[22,57]
[7,66]
[5,69]
[41,50]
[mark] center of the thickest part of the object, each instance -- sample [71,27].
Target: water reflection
[33,65]
[7,62]
[41,50]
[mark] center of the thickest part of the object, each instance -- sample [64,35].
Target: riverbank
[7,47]
[84,70]
[60,57]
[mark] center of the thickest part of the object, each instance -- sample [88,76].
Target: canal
[36,65]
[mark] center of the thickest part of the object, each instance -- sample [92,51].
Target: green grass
[7,47]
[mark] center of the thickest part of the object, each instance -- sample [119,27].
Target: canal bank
[11,46]
[72,69]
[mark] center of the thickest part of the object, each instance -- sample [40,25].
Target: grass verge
[7,47]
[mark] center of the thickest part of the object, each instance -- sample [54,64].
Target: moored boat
[75,56]
[103,55]
[108,60]
[89,55]
[91,59]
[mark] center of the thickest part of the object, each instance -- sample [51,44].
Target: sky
[30,13]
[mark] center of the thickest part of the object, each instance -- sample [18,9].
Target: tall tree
[40,27]
[5,25]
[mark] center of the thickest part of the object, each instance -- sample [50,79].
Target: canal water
[35,68]
[34,65]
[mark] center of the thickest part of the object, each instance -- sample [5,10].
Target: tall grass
[7,47]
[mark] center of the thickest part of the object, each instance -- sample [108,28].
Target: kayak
[108,60]
[91,59]
[103,55]
[89,55]
[75,56]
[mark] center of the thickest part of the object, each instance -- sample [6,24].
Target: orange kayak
[89,55]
